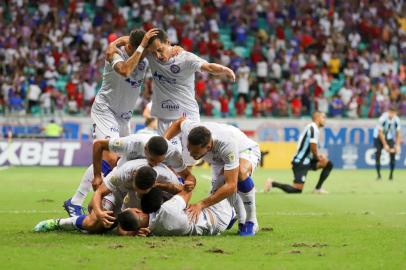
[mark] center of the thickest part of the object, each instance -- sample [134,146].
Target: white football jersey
[228,143]
[118,93]
[120,180]
[132,147]
[174,86]
[171,219]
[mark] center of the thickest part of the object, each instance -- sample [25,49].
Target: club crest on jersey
[141,66]
[169,105]
[126,115]
[175,68]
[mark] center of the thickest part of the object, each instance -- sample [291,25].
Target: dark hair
[393,108]
[145,177]
[136,37]
[161,35]
[128,221]
[199,136]
[149,120]
[152,201]
[157,145]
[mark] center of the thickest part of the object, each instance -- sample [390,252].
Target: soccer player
[173,88]
[233,158]
[123,75]
[170,217]
[133,179]
[307,158]
[387,136]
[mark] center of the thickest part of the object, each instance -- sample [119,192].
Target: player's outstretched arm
[99,146]
[174,129]
[220,70]
[169,187]
[190,179]
[226,190]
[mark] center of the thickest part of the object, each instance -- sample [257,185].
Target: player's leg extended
[378,146]
[299,173]
[326,166]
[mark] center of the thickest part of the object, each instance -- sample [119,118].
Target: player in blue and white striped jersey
[387,136]
[307,158]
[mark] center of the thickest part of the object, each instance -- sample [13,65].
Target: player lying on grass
[170,218]
[123,186]
[306,158]
[233,158]
[154,148]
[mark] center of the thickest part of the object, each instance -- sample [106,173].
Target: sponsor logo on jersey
[163,79]
[169,105]
[126,115]
[114,129]
[175,68]
[134,83]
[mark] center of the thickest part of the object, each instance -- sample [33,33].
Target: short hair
[161,35]
[152,201]
[157,145]
[128,220]
[199,136]
[145,177]
[136,37]
[393,108]
[149,120]
[315,114]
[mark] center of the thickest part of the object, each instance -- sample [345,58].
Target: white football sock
[249,205]
[68,224]
[85,187]
[240,209]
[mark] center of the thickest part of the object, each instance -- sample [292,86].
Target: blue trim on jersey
[106,168]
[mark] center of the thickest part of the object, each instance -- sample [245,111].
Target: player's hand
[229,74]
[96,182]
[386,147]
[143,232]
[151,33]
[397,148]
[176,50]
[189,185]
[107,218]
[193,211]
[111,50]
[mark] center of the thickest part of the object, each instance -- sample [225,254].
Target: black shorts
[379,146]
[300,170]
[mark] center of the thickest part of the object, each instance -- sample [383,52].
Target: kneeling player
[307,158]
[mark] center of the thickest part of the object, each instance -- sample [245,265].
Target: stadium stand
[346,58]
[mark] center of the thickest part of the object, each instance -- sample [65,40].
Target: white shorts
[107,125]
[163,125]
[222,213]
[253,155]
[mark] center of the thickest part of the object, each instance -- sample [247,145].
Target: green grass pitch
[361,224]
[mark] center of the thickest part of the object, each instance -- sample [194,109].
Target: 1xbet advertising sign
[45,153]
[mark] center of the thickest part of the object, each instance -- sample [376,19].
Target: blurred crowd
[346,58]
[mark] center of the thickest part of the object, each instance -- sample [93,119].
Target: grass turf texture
[361,224]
